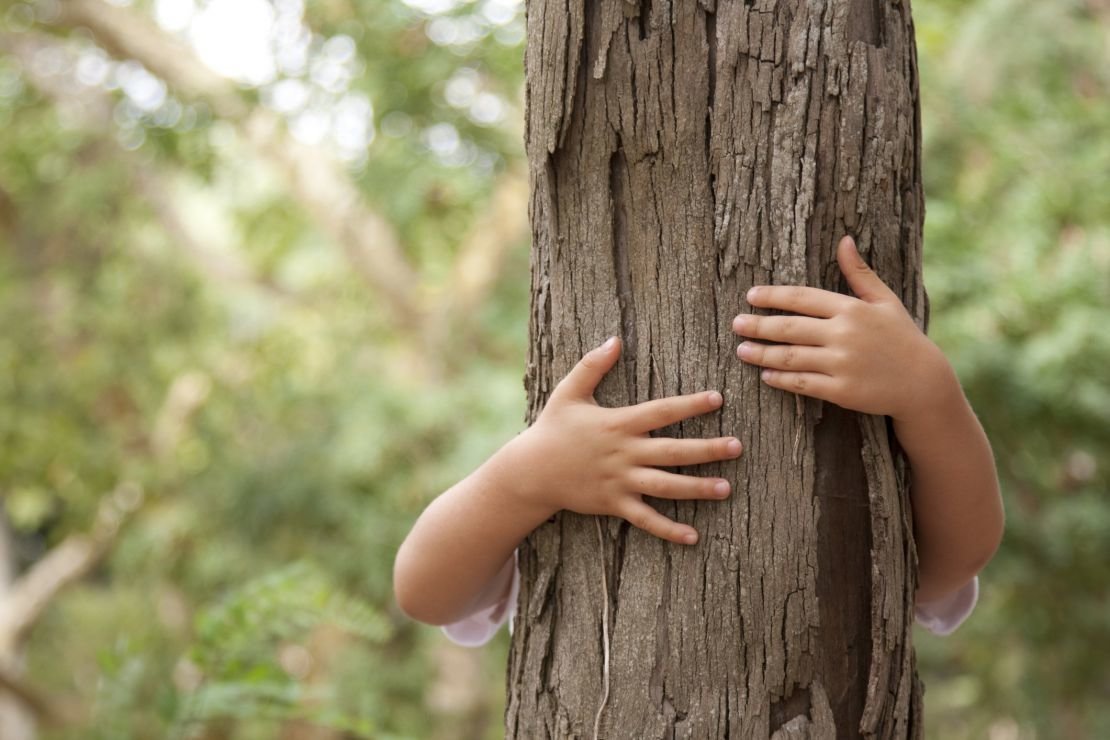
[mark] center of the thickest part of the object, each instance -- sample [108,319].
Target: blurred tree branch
[219,264]
[29,698]
[68,561]
[327,194]
[94,107]
[24,599]
[481,259]
[315,180]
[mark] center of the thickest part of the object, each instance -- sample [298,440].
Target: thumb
[867,285]
[584,377]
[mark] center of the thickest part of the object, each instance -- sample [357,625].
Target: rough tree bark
[680,152]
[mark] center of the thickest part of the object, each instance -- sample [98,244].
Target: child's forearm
[863,354]
[457,558]
[577,456]
[957,508]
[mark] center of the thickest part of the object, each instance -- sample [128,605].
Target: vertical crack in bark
[643,17]
[620,541]
[574,57]
[841,492]
[657,688]
[866,22]
[711,84]
[723,727]
[618,201]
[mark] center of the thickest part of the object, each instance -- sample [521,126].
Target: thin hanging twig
[604,629]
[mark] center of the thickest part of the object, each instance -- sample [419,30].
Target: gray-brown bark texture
[680,152]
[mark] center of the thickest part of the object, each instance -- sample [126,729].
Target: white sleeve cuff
[479,627]
[944,615]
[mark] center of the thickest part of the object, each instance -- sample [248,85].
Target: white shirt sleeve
[941,617]
[479,627]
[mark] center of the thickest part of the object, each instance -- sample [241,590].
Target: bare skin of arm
[578,456]
[866,354]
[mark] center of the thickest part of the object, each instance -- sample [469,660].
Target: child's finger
[661,484]
[785,356]
[791,329]
[649,415]
[641,515]
[582,380]
[815,385]
[799,299]
[666,452]
[864,282]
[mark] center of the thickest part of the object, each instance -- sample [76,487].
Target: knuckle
[663,413]
[654,485]
[608,425]
[839,331]
[678,405]
[799,382]
[795,294]
[640,520]
[856,309]
[789,357]
[610,478]
[654,417]
[587,363]
[636,482]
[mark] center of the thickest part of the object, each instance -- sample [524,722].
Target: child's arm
[866,354]
[578,456]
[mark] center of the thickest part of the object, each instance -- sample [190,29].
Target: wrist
[513,470]
[935,392]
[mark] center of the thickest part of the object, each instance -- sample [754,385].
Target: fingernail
[766,374]
[609,343]
[715,398]
[690,538]
[721,489]
[733,447]
[753,293]
[739,323]
[744,350]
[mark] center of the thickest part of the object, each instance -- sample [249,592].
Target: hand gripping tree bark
[680,153]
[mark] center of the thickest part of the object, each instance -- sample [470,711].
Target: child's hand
[864,354]
[596,460]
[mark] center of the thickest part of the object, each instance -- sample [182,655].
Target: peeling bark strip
[681,152]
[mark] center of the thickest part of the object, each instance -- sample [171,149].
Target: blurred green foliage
[249,595]
[1017,168]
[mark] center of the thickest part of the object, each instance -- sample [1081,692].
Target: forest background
[263,295]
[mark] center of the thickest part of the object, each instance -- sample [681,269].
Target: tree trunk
[681,152]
